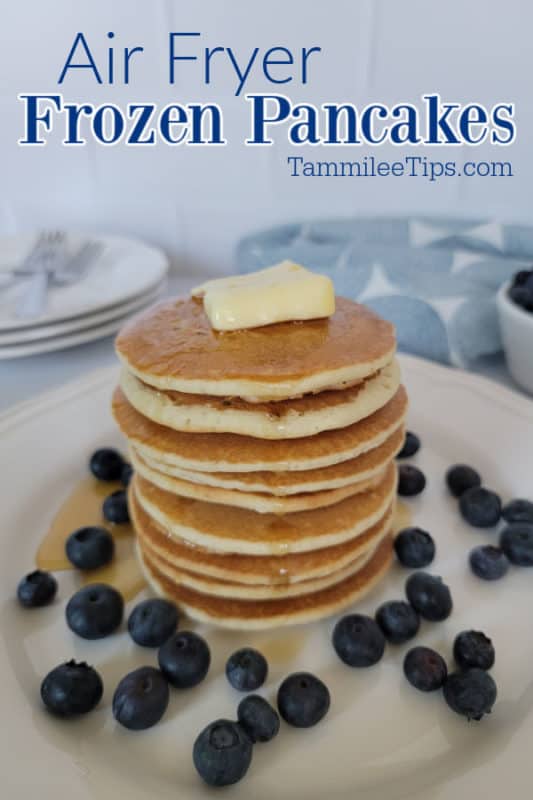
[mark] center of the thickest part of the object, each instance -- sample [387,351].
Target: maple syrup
[83,507]
[402,518]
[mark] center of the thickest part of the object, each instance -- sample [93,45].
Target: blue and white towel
[435,279]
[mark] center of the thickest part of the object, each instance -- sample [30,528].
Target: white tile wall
[197,202]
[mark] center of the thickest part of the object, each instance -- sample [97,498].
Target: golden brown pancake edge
[256,614]
[173,346]
[291,567]
[229,451]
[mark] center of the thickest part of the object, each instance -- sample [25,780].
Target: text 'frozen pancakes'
[263,417]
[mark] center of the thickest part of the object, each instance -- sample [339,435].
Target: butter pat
[280,293]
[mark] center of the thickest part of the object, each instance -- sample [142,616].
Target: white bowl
[516,327]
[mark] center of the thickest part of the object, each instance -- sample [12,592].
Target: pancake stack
[265,482]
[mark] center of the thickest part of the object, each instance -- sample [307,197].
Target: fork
[78,266]
[46,251]
[63,272]
[74,269]
[30,262]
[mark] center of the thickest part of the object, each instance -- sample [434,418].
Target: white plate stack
[124,277]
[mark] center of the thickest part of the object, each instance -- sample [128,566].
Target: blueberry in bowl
[515,312]
[90,547]
[521,289]
[36,589]
[523,277]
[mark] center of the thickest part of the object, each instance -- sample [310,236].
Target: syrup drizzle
[402,518]
[83,507]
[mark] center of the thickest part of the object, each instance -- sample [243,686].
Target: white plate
[126,269]
[382,740]
[69,326]
[61,342]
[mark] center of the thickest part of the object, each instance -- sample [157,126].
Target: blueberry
[95,611]
[258,718]
[140,699]
[90,548]
[411,445]
[480,507]
[184,659]
[411,480]
[471,693]
[36,589]
[246,669]
[106,464]
[303,700]
[358,640]
[115,508]
[425,669]
[522,296]
[488,562]
[126,475]
[473,649]
[152,622]
[516,541]
[71,688]
[461,477]
[522,277]
[429,595]
[518,511]
[398,621]
[222,753]
[414,547]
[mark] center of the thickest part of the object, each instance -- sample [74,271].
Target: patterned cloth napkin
[435,279]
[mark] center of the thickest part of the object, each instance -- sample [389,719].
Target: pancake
[285,419]
[282,484]
[245,591]
[256,614]
[254,501]
[237,530]
[227,452]
[173,346]
[274,569]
